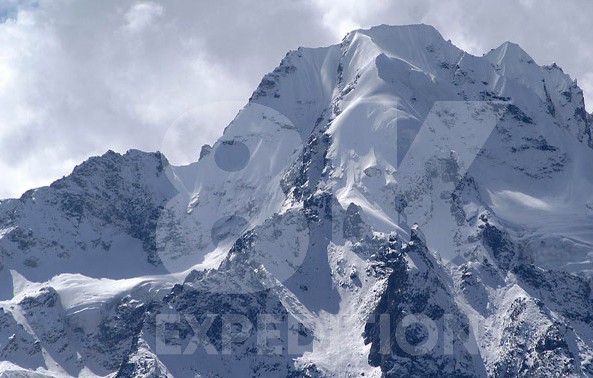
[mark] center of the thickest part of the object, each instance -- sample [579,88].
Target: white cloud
[142,15]
[78,77]
[586,84]
[527,3]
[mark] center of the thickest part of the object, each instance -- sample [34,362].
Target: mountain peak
[508,53]
[403,40]
[392,31]
[390,175]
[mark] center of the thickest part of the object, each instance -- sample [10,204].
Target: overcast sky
[80,77]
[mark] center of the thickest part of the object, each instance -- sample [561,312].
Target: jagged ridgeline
[388,206]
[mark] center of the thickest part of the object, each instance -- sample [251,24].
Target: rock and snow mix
[388,206]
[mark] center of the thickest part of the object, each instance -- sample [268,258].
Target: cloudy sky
[80,77]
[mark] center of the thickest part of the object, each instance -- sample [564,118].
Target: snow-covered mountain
[388,206]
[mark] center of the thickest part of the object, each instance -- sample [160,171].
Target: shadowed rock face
[125,193]
[419,291]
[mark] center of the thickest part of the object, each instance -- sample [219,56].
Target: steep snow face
[392,176]
[563,98]
[530,158]
[301,87]
[230,190]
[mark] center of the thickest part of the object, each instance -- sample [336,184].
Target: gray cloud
[80,77]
